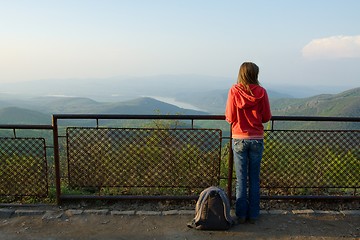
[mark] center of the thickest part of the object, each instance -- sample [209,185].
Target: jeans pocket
[238,145]
[257,146]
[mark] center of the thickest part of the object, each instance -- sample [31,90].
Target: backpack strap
[200,203]
[226,203]
[198,207]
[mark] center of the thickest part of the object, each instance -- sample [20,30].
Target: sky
[297,42]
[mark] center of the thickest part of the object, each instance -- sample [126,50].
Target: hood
[245,99]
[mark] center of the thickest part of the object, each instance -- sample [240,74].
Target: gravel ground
[173,226]
[167,220]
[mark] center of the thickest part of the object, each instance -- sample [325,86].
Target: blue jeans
[247,160]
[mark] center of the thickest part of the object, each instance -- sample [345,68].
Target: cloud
[333,47]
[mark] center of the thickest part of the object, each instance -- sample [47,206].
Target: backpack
[212,211]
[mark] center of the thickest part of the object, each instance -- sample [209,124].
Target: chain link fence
[149,162]
[23,167]
[143,158]
[311,162]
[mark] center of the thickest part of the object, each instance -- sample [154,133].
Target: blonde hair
[248,74]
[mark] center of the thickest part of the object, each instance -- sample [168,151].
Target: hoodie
[247,111]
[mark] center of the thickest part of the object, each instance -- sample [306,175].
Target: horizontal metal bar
[19,126]
[322,119]
[128,197]
[195,197]
[135,116]
[25,205]
[198,117]
[309,197]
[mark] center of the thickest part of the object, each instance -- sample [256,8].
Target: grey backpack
[212,211]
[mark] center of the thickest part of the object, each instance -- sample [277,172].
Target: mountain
[30,109]
[54,105]
[144,105]
[16,115]
[345,104]
[39,110]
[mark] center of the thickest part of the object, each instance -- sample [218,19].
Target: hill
[39,110]
[144,105]
[345,104]
[16,115]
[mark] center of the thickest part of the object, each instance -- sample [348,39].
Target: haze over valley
[33,102]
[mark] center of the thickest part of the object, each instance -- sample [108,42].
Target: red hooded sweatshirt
[247,111]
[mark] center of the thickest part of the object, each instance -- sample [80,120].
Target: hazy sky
[304,42]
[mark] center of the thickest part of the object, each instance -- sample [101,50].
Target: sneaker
[239,220]
[252,220]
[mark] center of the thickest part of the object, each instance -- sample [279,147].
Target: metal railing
[91,156]
[314,163]
[169,157]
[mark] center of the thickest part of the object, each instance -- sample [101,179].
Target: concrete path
[55,223]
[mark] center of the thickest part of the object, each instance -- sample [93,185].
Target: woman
[247,108]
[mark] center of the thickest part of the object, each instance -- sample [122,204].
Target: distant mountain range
[38,110]
[345,104]
[33,102]
[342,104]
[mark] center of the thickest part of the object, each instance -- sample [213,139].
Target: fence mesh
[311,159]
[127,157]
[23,167]
[181,158]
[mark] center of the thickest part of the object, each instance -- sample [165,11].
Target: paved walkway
[54,223]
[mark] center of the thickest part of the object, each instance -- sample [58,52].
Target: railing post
[230,170]
[56,159]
